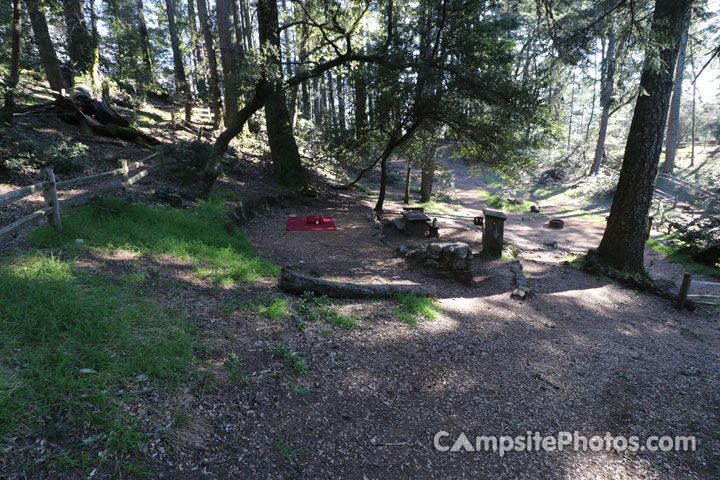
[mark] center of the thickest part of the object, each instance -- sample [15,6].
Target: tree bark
[623,244]
[694,85]
[283,148]
[341,103]
[360,106]
[181,83]
[295,282]
[427,176]
[79,39]
[331,103]
[247,26]
[228,59]
[383,182]
[237,26]
[408,171]
[48,57]
[673,129]
[95,35]
[215,102]
[197,54]
[607,83]
[572,107]
[9,106]
[144,40]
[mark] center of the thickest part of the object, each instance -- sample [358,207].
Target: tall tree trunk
[694,86]
[9,107]
[237,26]
[200,84]
[79,39]
[341,103]
[95,35]
[572,107]
[228,58]
[48,57]
[623,244]
[283,149]
[360,106]
[427,172]
[383,183]
[316,102]
[607,83]
[408,171]
[145,41]
[181,83]
[305,106]
[247,25]
[673,129]
[331,103]
[594,95]
[215,102]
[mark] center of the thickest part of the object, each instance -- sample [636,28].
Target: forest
[359,238]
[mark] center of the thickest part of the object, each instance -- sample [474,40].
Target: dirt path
[583,355]
[538,243]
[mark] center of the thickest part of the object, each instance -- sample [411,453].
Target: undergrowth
[413,307]
[314,308]
[292,360]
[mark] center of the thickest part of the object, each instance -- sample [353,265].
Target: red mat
[309,224]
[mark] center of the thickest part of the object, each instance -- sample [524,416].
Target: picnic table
[416,222]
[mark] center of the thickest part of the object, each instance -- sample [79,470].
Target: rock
[79,241]
[520,293]
[430,263]
[535,208]
[402,249]
[435,247]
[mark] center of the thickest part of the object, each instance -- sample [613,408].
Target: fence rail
[49,187]
[699,298]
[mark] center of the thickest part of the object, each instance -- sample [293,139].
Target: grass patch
[73,348]
[413,307]
[292,360]
[235,368]
[500,202]
[340,320]
[437,207]
[272,308]
[314,308]
[197,236]
[288,453]
[675,254]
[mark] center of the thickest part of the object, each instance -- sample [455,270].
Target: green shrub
[195,153]
[17,152]
[292,359]
[65,157]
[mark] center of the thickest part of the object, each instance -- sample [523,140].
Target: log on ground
[294,282]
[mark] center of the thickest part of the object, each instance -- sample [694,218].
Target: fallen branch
[294,282]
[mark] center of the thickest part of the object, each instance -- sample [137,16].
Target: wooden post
[51,200]
[125,175]
[684,288]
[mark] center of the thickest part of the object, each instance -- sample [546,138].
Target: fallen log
[294,282]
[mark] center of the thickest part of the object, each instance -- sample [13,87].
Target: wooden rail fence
[50,186]
[698,298]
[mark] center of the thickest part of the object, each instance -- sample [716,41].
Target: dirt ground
[583,354]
